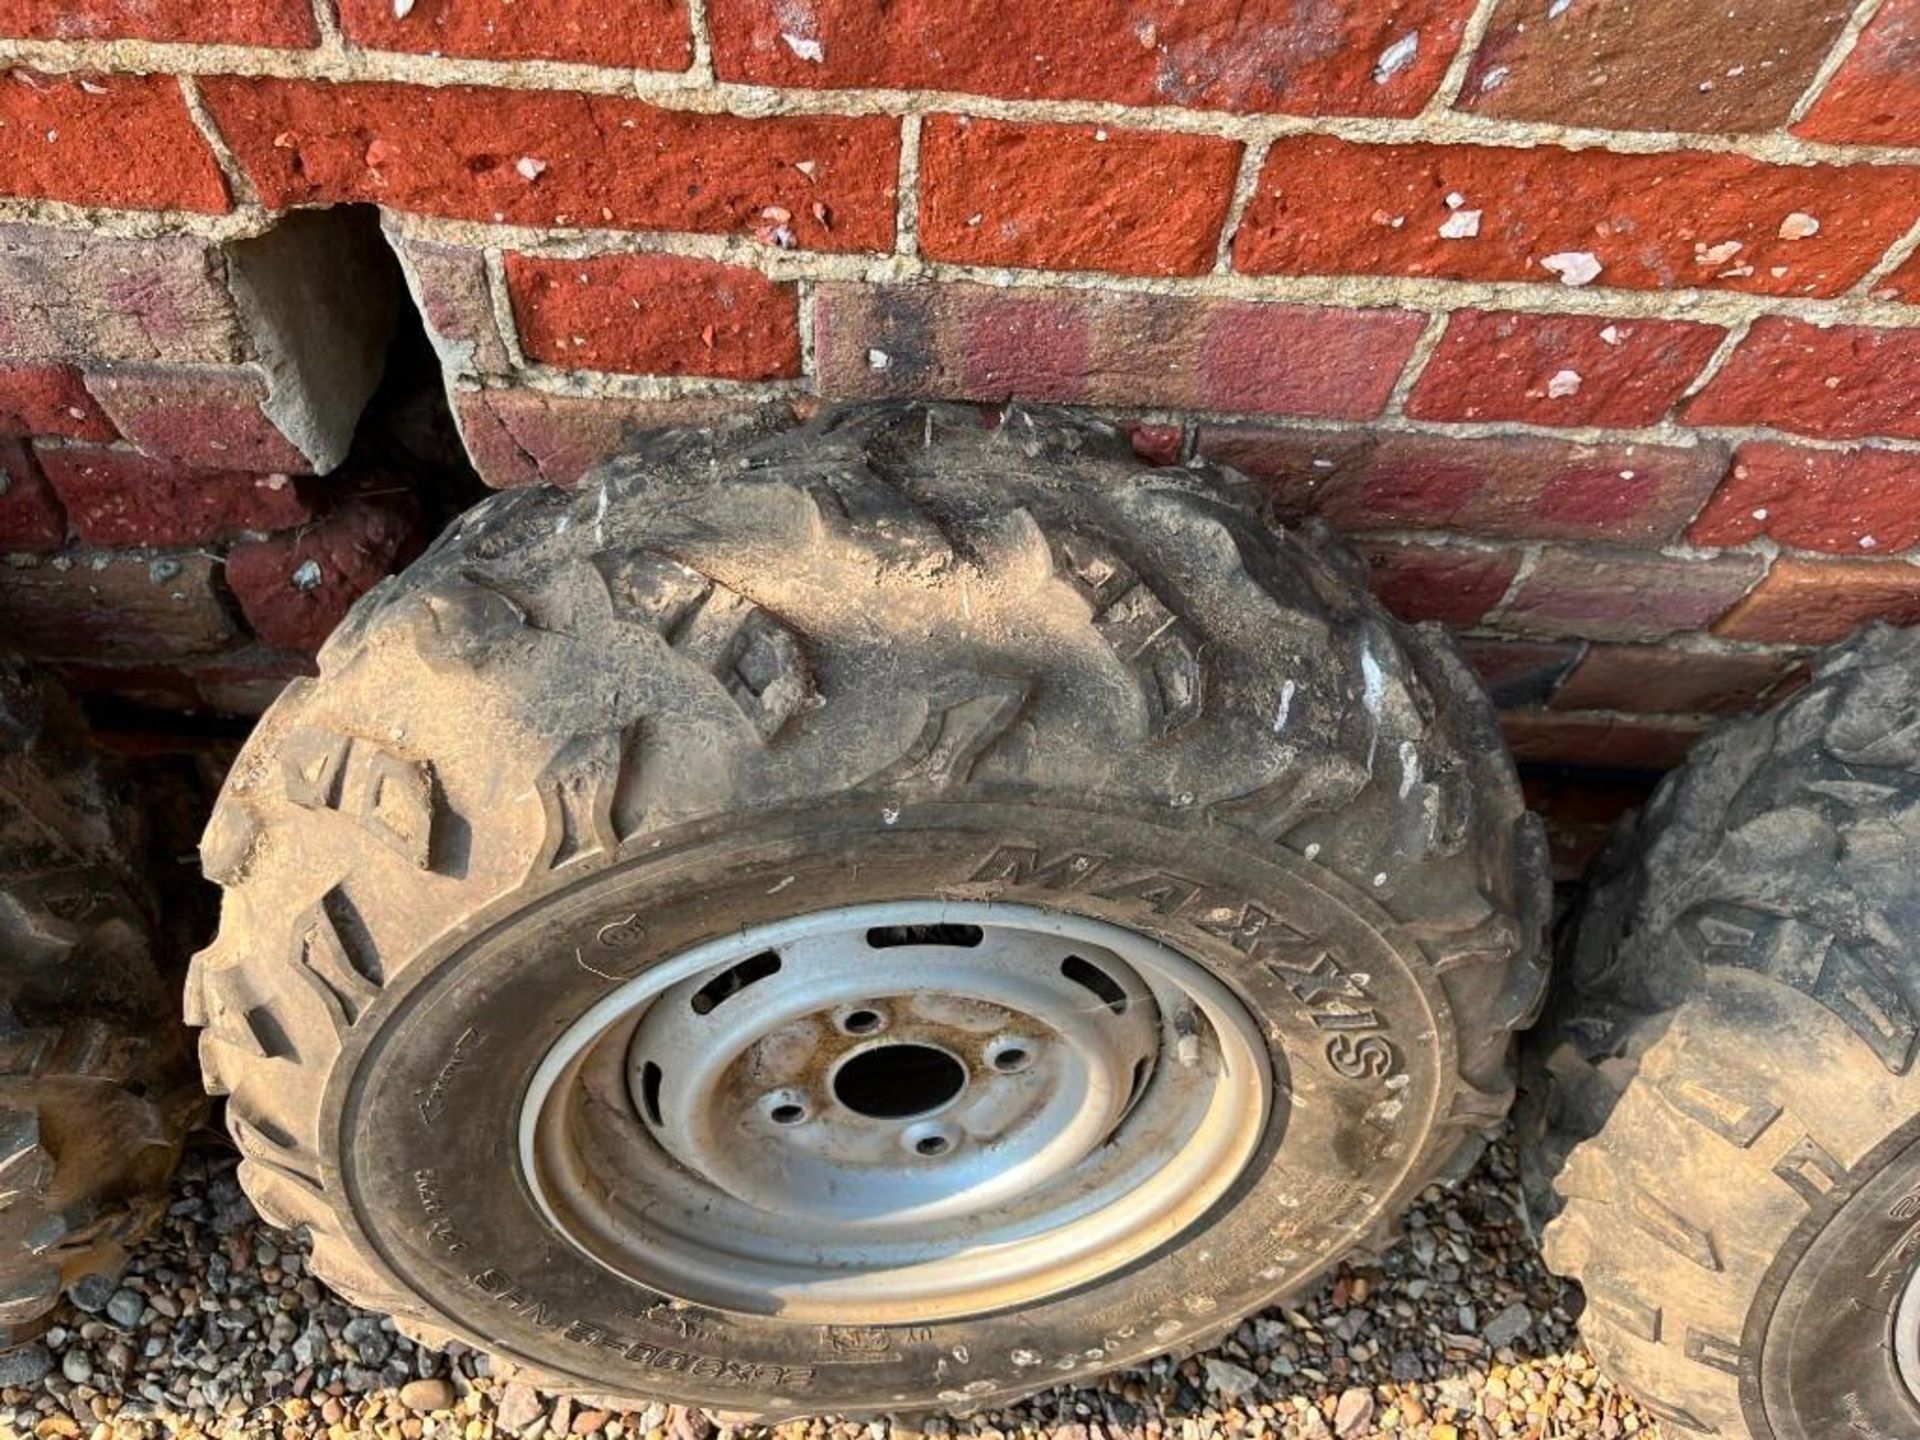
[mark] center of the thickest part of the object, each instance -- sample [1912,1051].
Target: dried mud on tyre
[1723,1108]
[1005,677]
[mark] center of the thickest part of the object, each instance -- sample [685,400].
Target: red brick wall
[1595,324]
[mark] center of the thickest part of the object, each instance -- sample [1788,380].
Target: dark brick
[1455,586]
[1106,348]
[1650,679]
[1528,487]
[525,437]
[1737,65]
[69,295]
[1519,672]
[102,606]
[211,418]
[1619,595]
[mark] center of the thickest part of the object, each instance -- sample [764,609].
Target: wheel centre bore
[911,1110]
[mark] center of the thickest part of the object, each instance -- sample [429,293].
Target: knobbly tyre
[1722,1122]
[894,915]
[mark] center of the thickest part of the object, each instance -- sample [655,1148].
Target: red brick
[1265,55]
[1527,487]
[31,521]
[1815,602]
[546,158]
[279,23]
[1618,595]
[1623,742]
[104,606]
[655,315]
[1848,381]
[158,299]
[1650,679]
[450,286]
[1519,672]
[294,589]
[1155,444]
[49,400]
[1560,369]
[1841,501]
[125,141]
[1429,582]
[627,34]
[1653,222]
[116,497]
[1073,197]
[206,417]
[527,437]
[1108,348]
[1654,65]
[1874,99]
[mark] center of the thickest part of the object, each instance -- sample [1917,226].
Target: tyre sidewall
[1821,1322]
[422,1113]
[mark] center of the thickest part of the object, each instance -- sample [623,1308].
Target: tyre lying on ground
[899,914]
[1724,1094]
[97,1086]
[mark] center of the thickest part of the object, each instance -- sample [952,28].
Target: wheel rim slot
[730,982]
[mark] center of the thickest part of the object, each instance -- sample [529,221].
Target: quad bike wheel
[96,1081]
[1725,1098]
[895,915]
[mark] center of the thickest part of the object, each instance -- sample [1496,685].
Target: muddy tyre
[897,914]
[96,1080]
[1724,1097]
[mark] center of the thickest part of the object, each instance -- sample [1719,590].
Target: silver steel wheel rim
[1906,1334]
[918,1110]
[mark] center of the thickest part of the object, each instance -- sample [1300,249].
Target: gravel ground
[217,1329]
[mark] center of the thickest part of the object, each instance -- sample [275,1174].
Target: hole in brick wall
[407,429]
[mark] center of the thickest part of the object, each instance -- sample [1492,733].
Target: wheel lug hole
[785,1107]
[1010,1057]
[863,1021]
[931,1142]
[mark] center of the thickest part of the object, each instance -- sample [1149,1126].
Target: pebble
[433,1393]
[217,1332]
